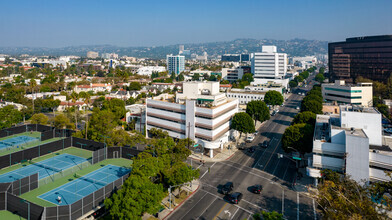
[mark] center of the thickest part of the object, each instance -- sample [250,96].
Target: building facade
[200,112]
[92,54]
[351,143]
[268,65]
[342,93]
[175,63]
[369,57]
[232,74]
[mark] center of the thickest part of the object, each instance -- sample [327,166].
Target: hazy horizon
[122,23]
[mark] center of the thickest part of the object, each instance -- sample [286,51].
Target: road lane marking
[273,173]
[234,213]
[204,174]
[199,166]
[257,163]
[206,208]
[255,205]
[193,206]
[220,210]
[243,209]
[284,175]
[277,145]
[297,206]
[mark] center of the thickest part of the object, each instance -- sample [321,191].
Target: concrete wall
[357,159]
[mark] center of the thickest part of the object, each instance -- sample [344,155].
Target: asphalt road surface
[244,169]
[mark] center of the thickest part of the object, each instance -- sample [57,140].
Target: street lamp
[28,207]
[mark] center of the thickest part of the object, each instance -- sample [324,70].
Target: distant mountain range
[294,47]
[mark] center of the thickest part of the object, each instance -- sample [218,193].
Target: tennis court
[44,168]
[84,185]
[15,141]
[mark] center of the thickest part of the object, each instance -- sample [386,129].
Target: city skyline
[123,23]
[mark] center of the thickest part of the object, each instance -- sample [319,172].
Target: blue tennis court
[15,141]
[44,168]
[85,185]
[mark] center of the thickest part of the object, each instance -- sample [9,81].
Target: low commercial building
[232,74]
[136,113]
[199,112]
[351,143]
[359,94]
[148,70]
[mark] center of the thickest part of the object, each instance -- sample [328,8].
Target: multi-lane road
[244,169]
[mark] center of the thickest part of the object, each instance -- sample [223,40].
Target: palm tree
[74,98]
[87,102]
[32,86]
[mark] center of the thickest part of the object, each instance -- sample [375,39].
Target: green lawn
[70,150]
[9,215]
[28,145]
[33,195]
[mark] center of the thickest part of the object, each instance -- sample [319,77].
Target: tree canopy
[312,106]
[258,110]
[243,123]
[320,78]
[299,137]
[293,83]
[39,119]
[305,117]
[273,98]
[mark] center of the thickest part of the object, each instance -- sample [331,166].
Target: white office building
[351,143]
[359,94]
[148,70]
[232,74]
[268,65]
[175,63]
[200,112]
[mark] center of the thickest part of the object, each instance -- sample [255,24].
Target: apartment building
[94,87]
[175,63]
[199,112]
[340,92]
[253,93]
[351,143]
[269,65]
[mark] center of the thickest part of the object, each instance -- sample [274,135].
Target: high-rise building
[268,65]
[175,63]
[200,112]
[369,57]
[92,54]
[181,49]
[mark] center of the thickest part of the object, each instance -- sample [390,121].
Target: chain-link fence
[58,175]
[84,205]
[99,155]
[25,184]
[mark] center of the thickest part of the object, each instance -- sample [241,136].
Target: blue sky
[53,23]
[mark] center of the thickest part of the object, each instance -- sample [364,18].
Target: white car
[250,138]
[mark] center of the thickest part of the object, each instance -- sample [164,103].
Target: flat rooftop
[349,108]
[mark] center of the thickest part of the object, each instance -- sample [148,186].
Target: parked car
[227,188]
[236,197]
[257,189]
[242,146]
[256,133]
[297,107]
[250,138]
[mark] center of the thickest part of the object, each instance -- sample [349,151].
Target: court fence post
[82,207]
[70,211]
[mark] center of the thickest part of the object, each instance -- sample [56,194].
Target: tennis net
[46,167]
[93,181]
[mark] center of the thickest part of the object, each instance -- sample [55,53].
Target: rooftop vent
[205,92]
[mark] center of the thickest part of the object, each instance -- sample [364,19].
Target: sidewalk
[225,153]
[305,184]
[178,197]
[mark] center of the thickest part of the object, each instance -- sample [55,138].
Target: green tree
[180,77]
[247,77]
[39,119]
[293,84]
[258,110]
[212,78]
[298,79]
[304,74]
[134,86]
[101,123]
[320,78]
[384,109]
[158,133]
[305,117]
[243,123]
[195,77]
[9,116]
[61,121]
[273,98]
[312,106]
[268,216]
[340,197]
[117,106]
[299,137]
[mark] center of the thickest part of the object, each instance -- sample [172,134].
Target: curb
[181,202]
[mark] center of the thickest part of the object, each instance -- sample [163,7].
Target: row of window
[344,96]
[245,96]
[343,90]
